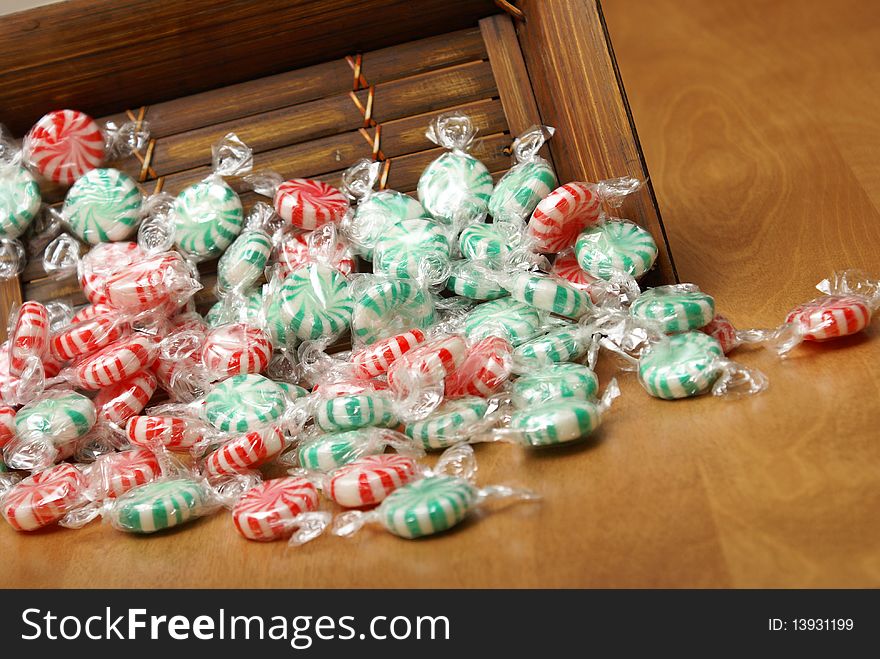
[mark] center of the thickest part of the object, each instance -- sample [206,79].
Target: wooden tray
[313,85]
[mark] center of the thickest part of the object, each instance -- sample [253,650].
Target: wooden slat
[578,90]
[511,75]
[309,84]
[103,55]
[328,116]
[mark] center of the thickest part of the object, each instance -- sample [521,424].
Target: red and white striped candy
[562,215]
[152,283]
[91,311]
[294,253]
[368,480]
[30,336]
[7,425]
[171,432]
[429,363]
[51,365]
[236,349]
[374,360]
[567,267]
[120,472]
[831,316]
[245,452]
[723,331]
[43,498]
[122,401]
[483,372]
[87,337]
[308,204]
[264,513]
[64,145]
[103,261]
[349,387]
[117,362]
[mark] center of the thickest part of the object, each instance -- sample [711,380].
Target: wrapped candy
[279,508]
[114,474]
[19,194]
[553,382]
[92,310]
[103,205]
[117,403]
[430,505]
[178,434]
[510,319]
[413,249]
[471,280]
[244,308]
[692,363]
[562,421]
[383,308]
[245,452]
[316,302]
[428,364]
[675,308]
[29,336]
[7,425]
[161,504]
[208,215]
[115,363]
[563,214]
[453,421]
[562,344]
[159,283]
[489,244]
[235,349]
[615,246]
[375,359]
[305,203]
[368,480]
[547,293]
[485,369]
[242,264]
[455,188]
[355,410]
[375,210]
[850,298]
[324,245]
[43,498]
[102,262]
[87,337]
[48,428]
[526,183]
[244,402]
[67,144]
[325,453]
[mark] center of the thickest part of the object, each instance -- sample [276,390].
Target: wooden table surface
[760,123]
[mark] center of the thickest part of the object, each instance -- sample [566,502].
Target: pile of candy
[138,410]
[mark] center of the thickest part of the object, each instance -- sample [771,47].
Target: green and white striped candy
[684,365]
[244,402]
[104,205]
[505,317]
[427,506]
[207,218]
[484,243]
[378,211]
[292,391]
[242,265]
[675,308]
[549,294]
[389,307]
[248,313]
[467,279]
[567,420]
[276,326]
[58,419]
[159,505]
[332,451]
[413,249]
[615,246]
[355,411]
[520,190]
[560,345]
[553,382]
[455,189]
[449,423]
[316,302]
[19,201]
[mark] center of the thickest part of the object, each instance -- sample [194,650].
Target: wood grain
[573,73]
[103,55]
[761,127]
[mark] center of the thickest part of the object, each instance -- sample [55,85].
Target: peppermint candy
[266,512]
[104,205]
[616,246]
[43,498]
[19,201]
[236,349]
[63,145]
[368,480]
[316,303]
[562,215]
[207,218]
[117,362]
[245,452]
[309,204]
[118,403]
[159,505]
[244,402]
[684,365]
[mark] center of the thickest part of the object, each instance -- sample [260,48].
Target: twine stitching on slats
[360,83]
[146,168]
[511,9]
